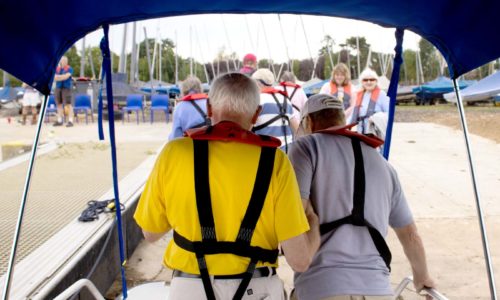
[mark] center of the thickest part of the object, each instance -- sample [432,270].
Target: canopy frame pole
[393,89]
[22,208]
[484,237]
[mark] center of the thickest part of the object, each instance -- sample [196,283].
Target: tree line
[431,62]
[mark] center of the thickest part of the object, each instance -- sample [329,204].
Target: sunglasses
[369,79]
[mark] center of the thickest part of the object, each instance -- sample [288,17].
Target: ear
[209,108]
[310,124]
[256,115]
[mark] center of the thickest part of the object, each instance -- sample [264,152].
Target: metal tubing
[15,241]
[77,286]
[486,249]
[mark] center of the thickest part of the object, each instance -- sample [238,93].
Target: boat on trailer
[462,37]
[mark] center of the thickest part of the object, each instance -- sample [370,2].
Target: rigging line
[176,59]
[249,34]
[284,41]
[201,54]
[228,42]
[484,237]
[308,47]
[190,51]
[268,48]
[327,44]
[17,233]
[210,51]
[150,66]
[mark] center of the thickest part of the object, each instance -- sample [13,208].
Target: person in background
[223,183]
[276,118]
[249,64]
[357,195]
[30,102]
[340,86]
[295,93]
[369,100]
[191,111]
[64,84]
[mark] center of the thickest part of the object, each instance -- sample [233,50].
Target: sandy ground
[432,166]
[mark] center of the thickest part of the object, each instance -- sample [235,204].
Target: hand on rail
[425,283]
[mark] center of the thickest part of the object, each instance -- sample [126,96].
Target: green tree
[429,57]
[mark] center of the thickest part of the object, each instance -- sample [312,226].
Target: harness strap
[241,246]
[356,217]
[202,190]
[269,122]
[207,121]
[282,113]
[371,105]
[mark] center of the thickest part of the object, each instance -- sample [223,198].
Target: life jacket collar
[192,97]
[371,141]
[271,90]
[228,131]
[290,84]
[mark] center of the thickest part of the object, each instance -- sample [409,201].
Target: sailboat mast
[133,56]
[123,57]
[82,59]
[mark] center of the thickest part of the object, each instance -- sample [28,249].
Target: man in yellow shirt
[231,197]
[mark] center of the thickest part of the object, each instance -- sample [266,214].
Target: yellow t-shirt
[168,202]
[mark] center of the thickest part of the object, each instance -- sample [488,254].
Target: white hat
[264,76]
[368,73]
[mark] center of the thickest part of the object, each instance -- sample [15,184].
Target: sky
[299,36]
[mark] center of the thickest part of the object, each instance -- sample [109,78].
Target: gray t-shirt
[347,262]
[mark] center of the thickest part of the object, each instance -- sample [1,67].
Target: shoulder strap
[203,115]
[357,216]
[202,190]
[206,219]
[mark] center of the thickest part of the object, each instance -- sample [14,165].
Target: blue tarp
[314,88]
[439,86]
[31,49]
[484,89]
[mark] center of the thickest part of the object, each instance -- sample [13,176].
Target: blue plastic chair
[134,103]
[51,108]
[83,105]
[159,102]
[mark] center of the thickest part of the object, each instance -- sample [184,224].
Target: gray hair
[288,77]
[191,85]
[235,94]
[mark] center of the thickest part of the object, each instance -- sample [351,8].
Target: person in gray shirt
[357,196]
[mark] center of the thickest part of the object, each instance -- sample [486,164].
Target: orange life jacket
[334,91]
[371,106]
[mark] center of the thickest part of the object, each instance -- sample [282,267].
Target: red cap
[250,57]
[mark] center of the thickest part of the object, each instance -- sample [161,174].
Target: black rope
[96,207]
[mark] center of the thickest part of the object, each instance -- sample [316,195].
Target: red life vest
[371,141]
[271,91]
[192,97]
[228,131]
[58,70]
[290,84]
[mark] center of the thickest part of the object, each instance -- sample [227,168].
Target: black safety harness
[191,98]
[357,216]
[281,115]
[241,246]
